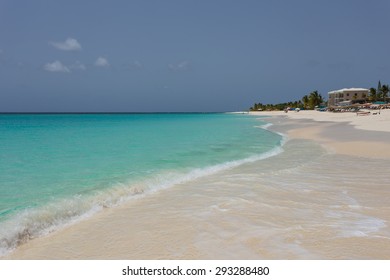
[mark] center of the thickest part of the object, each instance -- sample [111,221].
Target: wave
[265,126]
[36,222]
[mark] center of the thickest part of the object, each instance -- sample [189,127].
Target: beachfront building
[347,96]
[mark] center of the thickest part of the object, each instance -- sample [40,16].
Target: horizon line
[173,112]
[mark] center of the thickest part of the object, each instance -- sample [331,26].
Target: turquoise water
[58,168]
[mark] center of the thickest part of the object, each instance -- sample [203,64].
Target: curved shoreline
[234,212]
[27,229]
[342,133]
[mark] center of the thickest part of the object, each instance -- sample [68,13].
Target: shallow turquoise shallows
[57,168]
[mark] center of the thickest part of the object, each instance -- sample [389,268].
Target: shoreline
[377,120]
[363,136]
[175,225]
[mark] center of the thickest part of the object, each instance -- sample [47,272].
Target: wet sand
[325,197]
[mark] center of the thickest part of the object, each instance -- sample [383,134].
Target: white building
[347,96]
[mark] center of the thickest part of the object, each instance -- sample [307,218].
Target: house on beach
[347,96]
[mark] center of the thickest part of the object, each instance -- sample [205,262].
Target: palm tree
[305,101]
[373,95]
[379,92]
[315,99]
[385,91]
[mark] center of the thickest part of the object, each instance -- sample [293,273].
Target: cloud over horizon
[56,66]
[181,66]
[102,62]
[70,44]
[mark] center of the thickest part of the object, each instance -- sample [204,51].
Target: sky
[186,56]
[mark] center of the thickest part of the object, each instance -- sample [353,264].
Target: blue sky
[180,55]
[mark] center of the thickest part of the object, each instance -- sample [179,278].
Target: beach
[344,137]
[324,197]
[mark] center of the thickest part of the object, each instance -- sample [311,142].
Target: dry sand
[343,140]
[377,120]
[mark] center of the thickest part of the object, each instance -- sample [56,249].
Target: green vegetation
[314,99]
[275,107]
[380,93]
[309,101]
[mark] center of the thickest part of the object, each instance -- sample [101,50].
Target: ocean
[58,169]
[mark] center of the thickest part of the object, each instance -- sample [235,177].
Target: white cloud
[70,44]
[181,66]
[101,62]
[78,65]
[56,66]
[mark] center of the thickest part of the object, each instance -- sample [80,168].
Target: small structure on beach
[347,95]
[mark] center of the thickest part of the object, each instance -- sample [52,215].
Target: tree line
[314,99]
[308,102]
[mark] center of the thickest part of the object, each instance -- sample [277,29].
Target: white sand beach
[358,145]
[377,120]
[318,204]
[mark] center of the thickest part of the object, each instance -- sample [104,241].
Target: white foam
[33,223]
[265,126]
[268,125]
[350,224]
[174,179]
[41,221]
